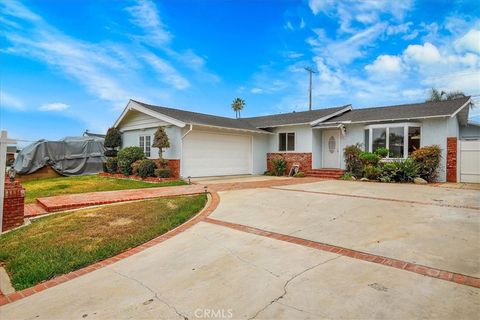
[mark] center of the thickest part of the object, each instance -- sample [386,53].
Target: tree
[160,141]
[436,96]
[237,106]
[113,140]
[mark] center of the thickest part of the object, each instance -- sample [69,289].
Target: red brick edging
[211,205]
[394,263]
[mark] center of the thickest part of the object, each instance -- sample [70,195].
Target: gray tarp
[69,156]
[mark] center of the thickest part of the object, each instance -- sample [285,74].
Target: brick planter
[303,160]
[13,205]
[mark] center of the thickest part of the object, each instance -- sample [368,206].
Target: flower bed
[135,177]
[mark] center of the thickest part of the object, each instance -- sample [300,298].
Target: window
[286,141]
[401,139]
[146,145]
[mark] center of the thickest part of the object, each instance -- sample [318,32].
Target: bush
[111,165]
[347,176]
[407,170]
[279,166]
[268,173]
[388,172]
[146,168]
[369,159]
[111,153]
[371,172]
[160,141]
[113,140]
[126,157]
[428,161]
[161,163]
[353,164]
[299,174]
[382,152]
[162,173]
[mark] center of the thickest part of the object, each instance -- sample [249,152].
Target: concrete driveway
[261,254]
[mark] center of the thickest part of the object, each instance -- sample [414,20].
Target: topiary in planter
[146,168]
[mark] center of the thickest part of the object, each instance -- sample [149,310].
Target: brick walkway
[60,203]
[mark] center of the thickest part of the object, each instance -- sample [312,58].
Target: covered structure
[69,156]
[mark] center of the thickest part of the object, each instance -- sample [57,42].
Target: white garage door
[216,154]
[470,161]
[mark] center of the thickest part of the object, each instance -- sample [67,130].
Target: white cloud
[385,64]
[288,26]
[256,90]
[302,24]
[168,73]
[9,101]
[469,42]
[55,106]
[426,54]
[145,15]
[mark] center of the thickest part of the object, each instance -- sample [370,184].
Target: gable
[135,119]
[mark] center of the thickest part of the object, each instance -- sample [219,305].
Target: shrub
[353,164]
[111,165]
[111,153]
[428,161]
[268,173]
[146,168]
[135,167]
[347,176]
[369,159]
[299,174]
[371,172]
[381,152]
[113,140]
[126,157]
[279,166]
[388,172]
[407,170]
[162,173]
[161,163]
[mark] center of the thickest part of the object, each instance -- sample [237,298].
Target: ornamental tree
[160,141]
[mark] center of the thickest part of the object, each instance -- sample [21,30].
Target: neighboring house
[208,145]
[11,153]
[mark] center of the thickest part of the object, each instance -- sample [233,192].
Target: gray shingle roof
[402,112]
[292,117]
[201,118]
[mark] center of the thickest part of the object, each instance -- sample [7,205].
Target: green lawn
[65,242]
[81,184]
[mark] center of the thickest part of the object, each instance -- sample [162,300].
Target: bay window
[401,139]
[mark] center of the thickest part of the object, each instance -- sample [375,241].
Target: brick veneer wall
[13,205]
[303,160]
[174,165]
[452,159]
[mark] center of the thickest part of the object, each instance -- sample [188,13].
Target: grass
[65,242]
[68,185]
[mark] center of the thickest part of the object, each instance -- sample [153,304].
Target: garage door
[470,161]
[213,154]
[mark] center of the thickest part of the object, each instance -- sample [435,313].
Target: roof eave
[259,131]
[133,105]
[329,116]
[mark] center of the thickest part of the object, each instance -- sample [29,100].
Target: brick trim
[452,159]
[302,159]
[389,262]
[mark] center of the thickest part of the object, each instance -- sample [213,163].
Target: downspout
[181,157]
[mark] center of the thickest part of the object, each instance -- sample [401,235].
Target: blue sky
[67,66]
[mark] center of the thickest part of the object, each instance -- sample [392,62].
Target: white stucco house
[209,145]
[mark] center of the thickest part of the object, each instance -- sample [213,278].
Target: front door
[330,149]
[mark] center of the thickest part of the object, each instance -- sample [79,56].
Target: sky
[68,66]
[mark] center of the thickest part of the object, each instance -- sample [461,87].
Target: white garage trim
[213,153]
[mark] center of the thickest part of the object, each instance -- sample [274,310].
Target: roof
[91,134]
[202,119]
[11,149]
[444,108]
[291,118]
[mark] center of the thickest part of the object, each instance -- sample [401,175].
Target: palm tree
[237,106]
[436,96]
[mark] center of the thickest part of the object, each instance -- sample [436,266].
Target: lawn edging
[212,202]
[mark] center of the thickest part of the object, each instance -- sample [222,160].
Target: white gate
[470,161]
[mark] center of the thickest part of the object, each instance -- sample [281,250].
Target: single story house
[209,145]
